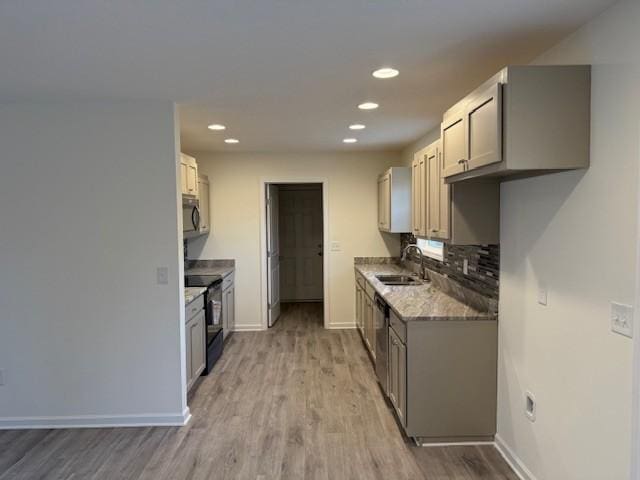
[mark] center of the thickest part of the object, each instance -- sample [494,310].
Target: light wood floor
[296,402]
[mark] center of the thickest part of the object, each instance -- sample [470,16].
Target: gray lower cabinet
[196,348]
[228,306]
[398,375]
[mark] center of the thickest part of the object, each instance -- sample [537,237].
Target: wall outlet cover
[530,406]
[622,319]
[465,266]
[2,377]
[335,246]
[542,296]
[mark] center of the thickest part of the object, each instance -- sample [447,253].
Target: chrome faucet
[403,257]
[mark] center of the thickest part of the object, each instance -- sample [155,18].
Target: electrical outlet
[335,246]
[465,266]
[2,377]
[530,406]
[162,275]
[542,296]
[622,319]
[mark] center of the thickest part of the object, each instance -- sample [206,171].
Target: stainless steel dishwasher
[381,319]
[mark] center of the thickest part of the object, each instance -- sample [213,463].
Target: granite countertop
[191,293]
[418,302]
[221,271]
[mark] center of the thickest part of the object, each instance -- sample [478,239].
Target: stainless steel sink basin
[399,280]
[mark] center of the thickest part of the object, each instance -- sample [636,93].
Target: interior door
[301,244]
[273,255]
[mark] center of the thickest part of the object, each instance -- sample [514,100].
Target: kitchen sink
[399,280]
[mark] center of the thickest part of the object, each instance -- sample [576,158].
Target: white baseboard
[341,326]
[248,328]
[96,421]
[516,464]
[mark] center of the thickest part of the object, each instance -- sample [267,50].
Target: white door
[273,255]
[301,247]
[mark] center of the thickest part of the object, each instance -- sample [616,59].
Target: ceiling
[282,75]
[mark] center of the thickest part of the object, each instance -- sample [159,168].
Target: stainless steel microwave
[190,217]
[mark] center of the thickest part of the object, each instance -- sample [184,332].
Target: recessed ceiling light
[231,140]
[368,106]
[386,73]
[216,126]
[357,126]
[350,140]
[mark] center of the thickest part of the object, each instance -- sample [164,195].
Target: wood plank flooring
[295,402]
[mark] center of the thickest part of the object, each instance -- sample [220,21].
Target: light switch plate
[622,319]
[542,296]
[162,275]
[465,266]
[335,246]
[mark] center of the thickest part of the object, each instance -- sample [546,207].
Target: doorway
[294,247]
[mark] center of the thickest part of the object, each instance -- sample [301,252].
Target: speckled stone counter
[418,302]
[221,268]
[191,293]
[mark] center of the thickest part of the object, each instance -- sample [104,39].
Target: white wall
[575,233]
[235,208]
[88,210]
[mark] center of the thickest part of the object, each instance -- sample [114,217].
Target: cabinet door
[183,176]
[196,348]
[203,195]
[393,370]
[192,179]
[231,309]
[397,375]
[438,195]
[225,313]
[367,321]
[358,317]
[416,194]
[384,201]
[453,135]
[401,397]
[189,368]
[484,124]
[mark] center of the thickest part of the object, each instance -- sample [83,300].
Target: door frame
[264,293]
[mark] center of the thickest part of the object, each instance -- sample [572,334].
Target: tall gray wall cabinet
[523,121]
[394,200]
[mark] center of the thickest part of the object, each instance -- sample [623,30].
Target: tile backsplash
[483,265]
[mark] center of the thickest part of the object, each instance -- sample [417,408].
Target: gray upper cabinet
[394,200]
[484,124]
[437,200]
[418,193]
[453,134]
[525,120]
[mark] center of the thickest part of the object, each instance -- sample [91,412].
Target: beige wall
[575,233]
[235,206]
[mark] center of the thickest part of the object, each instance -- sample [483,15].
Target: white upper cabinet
[394,200]
[418,194]
[188,175]
[525,120]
